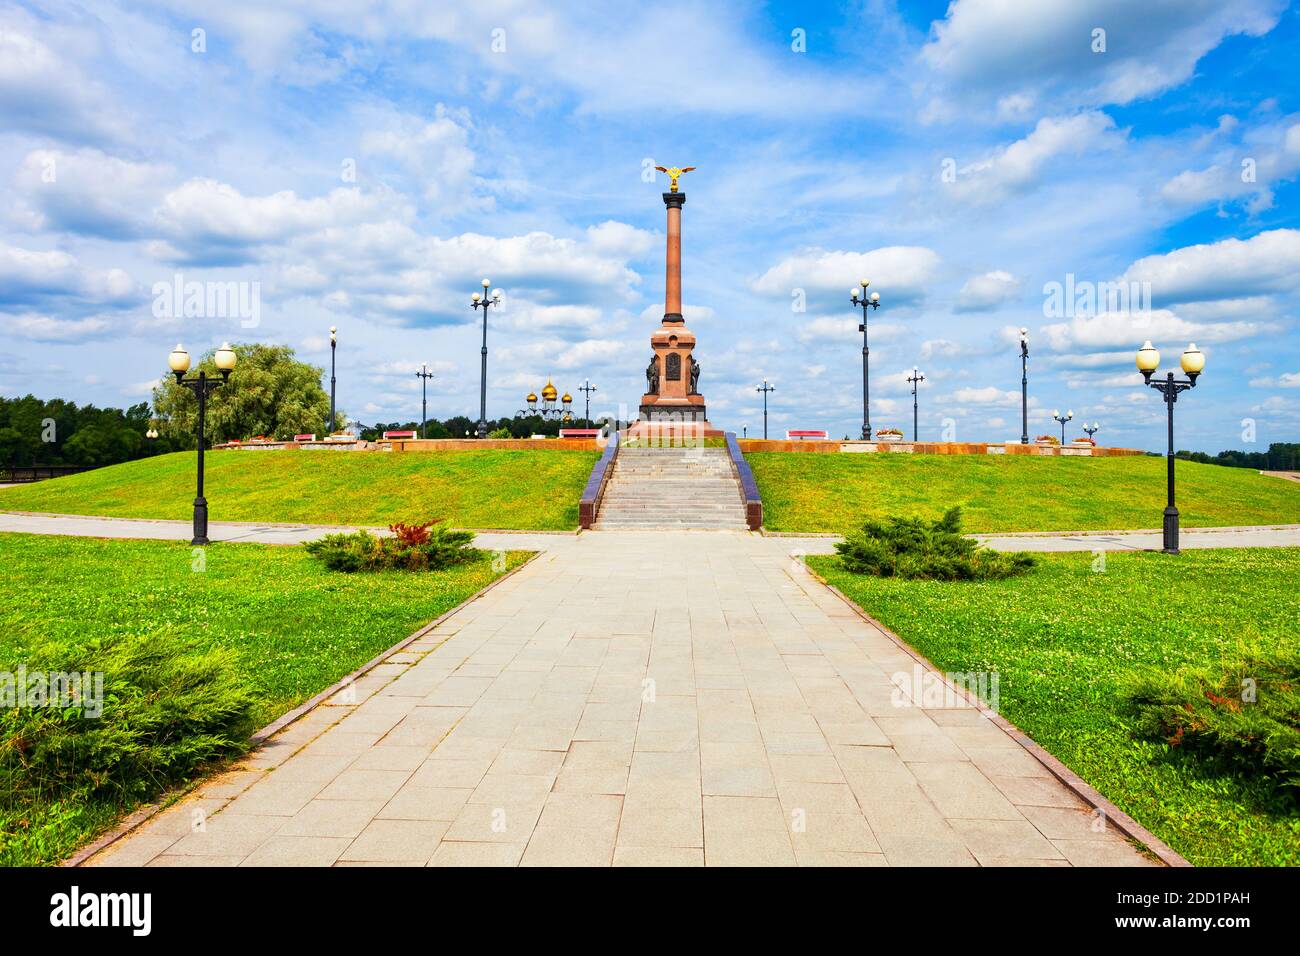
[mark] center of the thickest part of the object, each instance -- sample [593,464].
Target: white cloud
[1020,166]
[90,192]
[1231,268]
[1285,380]
[1112,329]
[899,273]
[1249,173]
[44,93]
[989,395]
[47,328]
[987,291]
[28,274]
[1046,49]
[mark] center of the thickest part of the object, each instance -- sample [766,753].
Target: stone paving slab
[1264,536]
[637,699]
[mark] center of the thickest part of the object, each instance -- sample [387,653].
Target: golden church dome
[532,398]
[566,398]
[549,392]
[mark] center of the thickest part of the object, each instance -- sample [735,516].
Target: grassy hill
[522,490]
[810,492]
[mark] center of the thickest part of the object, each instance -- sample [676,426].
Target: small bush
[421,547]
[926,550]
[500,433]
[168,707]
[1245,713]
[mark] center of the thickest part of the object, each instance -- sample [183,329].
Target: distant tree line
[460,426]
[34,431]
[1281,456]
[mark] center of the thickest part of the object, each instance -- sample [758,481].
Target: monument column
[672,395]
[673,280]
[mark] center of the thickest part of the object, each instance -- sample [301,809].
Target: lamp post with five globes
[1193,363]
[424,375]
[202,387]
[867,302]
[483,300]
[915,378]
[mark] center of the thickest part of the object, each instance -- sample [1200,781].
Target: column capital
[672,200]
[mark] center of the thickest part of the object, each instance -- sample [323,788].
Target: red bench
[400,435]
[579,432]
[797,434]
[304,437]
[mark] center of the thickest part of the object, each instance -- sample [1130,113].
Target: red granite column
[673,279]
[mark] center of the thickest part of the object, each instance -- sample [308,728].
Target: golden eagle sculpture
[674,172]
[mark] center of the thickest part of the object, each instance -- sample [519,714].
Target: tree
[269,393]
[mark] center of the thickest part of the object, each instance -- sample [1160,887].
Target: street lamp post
[914,378]
[1024,386]
[867,302]
[202,387]
[1148,360]
[1092,429]
[333,345]
[484,300]
[424,375]
[1056,414]
[765,388]
[588,388]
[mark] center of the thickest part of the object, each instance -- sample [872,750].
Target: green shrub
[168,706]
[1245,713]
[500,433]
[926,550]
[423,547]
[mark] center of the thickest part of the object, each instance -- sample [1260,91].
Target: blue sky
[366,164]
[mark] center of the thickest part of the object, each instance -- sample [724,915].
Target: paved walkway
[637,698]
[1271,536]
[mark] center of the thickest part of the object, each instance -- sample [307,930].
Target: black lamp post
[867,302]
[765,388]
[588,388]
[333,345]
[1148,360]
[202,387]
[1056,414]
[1024,386]
[424,375]
[1092,429]
[484,300]
[914,378]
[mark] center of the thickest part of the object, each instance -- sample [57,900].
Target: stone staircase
[672,488]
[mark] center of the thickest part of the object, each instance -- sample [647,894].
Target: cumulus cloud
[89,192]
[900,273]
[987,291]
[1251,173]
[29,275]
[1268,262]
[1020,166]
[1110,329]
[47,328]
[1044,52]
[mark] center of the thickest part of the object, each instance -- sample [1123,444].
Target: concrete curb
[1072,781]
[253,525]
[140,816]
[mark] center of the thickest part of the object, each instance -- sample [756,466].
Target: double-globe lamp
[1193,363]
[201,386]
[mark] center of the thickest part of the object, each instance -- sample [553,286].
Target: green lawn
[295,627]
[518,490]
[1061,636]
[837,492]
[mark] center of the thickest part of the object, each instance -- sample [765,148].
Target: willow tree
[269,393]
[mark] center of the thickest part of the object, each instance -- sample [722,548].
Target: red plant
[412,535]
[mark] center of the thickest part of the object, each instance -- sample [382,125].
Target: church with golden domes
[548,409]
